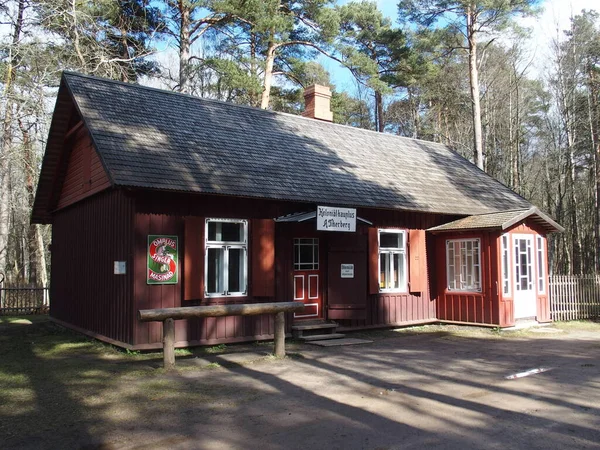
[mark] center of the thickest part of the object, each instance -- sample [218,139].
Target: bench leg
[169,344]
[280,335]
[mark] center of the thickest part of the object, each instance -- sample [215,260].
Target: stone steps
[315,330]
[322,337]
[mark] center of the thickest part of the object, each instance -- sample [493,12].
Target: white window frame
[226,246]
[505,265]
[314,263]
[390,265]
[540,263]
[467,288]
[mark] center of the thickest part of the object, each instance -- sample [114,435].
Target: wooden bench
[168,316]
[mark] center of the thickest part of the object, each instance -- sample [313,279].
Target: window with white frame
[392,260]
[505,265]
[463,267]
[226,257]
[306,254]
[540,265]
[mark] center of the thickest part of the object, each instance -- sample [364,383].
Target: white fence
[575,297]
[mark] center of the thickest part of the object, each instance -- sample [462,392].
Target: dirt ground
[430,387]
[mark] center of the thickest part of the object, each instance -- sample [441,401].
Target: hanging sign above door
[332,218]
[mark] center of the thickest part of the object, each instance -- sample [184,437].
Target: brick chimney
[317,99]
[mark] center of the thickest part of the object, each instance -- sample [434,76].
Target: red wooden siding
[263,257]
[153,296]
[187,332]
[473,307]
[86,240]
[85,175]
[394,309]
[417,261]
[373,266]
[193,258]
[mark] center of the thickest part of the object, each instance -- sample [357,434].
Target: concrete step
[314,326]
[322,337]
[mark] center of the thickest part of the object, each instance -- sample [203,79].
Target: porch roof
[501,220]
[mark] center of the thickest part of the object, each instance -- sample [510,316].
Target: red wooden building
[159,199]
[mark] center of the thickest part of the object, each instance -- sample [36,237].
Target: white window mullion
[226,270]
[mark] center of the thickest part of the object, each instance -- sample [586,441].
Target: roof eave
[545,221]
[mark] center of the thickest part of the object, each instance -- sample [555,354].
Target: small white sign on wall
[332,218]
[347,271]
[120,267]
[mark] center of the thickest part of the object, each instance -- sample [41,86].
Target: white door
[525,298]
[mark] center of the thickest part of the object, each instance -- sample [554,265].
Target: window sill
[225,295]
[393,291]
[464,291]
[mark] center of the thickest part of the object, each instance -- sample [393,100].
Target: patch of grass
[216,349]
[213,365]
[183,352]
[579,325]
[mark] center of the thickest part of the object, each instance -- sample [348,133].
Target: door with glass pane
[525,297]
[307,278]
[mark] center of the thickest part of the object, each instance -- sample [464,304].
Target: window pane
[389,240]
[382,271]
[306,254]
[236,270]
[463,265]
[233,232]
[214,279]
[399,269]
[225,231]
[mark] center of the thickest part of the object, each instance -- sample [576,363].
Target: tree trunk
[29,165]
[124,55]
[253,68]
[184,46]
[7,139]
[379,111]
[268,77]
[594,119]
[474,82]
[41,252]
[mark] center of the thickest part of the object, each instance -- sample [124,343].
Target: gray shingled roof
[500,220]
[157,139]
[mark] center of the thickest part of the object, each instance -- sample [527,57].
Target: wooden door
[307,282]
[347,277]
[525,296]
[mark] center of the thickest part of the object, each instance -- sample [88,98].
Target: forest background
[478,75]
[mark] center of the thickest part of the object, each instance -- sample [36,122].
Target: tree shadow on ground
[434,390]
